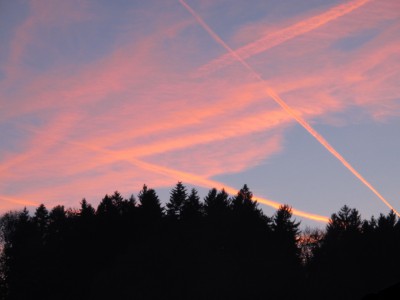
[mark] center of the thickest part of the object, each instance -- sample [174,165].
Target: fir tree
[176,201]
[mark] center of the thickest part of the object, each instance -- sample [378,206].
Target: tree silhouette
[86,210]
[216,204]
[387,223]
[224,248]
[21,245]
[243,202]
[176,201]
[286,236]
[57,223]
[283,225]
[106,207]
[246,210]
[41,217]
[386,248]
[346,221]
[149,204]
[127,207]
[192,208]
[343,246]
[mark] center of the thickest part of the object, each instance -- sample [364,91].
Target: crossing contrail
[287,108]
[274,39]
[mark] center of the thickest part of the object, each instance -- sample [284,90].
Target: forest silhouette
[221,247]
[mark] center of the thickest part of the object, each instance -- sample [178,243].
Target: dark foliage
[220,248]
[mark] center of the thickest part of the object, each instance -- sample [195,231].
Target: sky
[98,96]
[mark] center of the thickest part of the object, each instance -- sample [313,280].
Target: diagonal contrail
[287,108]
[274,39]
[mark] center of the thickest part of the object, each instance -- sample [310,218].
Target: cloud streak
[276,38]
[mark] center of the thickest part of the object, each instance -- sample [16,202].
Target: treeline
[220,248]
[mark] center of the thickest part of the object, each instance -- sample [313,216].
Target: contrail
[287,108]
[204,182]
[197,180]
[179,175]
[274,39]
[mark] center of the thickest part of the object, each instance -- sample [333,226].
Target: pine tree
[387,223]
[41,218]
[86,210]
[216,204]
[192,208]
[243,205]
[347,222]
[57,221]
[176,201]
[283,223]
[149,204]
[106,207]
[287,232]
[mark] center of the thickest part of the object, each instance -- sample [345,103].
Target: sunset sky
[98,96]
